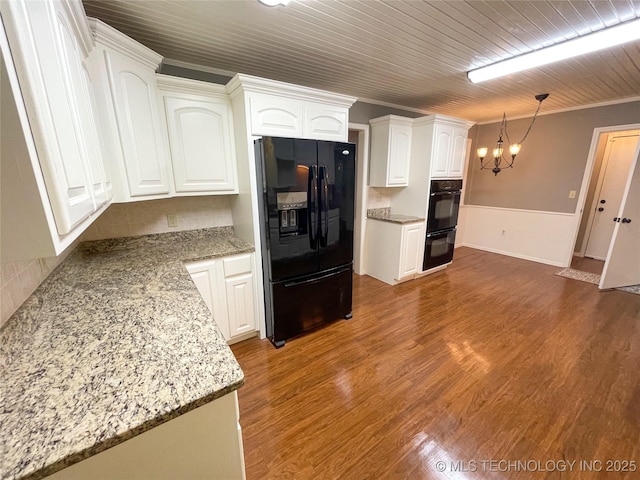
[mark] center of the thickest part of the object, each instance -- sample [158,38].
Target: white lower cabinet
[393,250]
[203,443]
[227,286]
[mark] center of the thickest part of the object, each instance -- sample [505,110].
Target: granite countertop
[115,341]
[385,215]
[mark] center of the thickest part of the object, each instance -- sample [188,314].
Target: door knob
[603,201]
[626,220]
[600,209]
[616,219]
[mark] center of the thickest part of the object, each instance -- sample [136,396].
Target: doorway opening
[359,134]
[611,169]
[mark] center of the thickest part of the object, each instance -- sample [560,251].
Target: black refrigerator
[306,222]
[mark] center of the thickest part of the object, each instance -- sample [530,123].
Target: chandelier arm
[535,115]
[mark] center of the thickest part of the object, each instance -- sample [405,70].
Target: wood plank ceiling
[404,52]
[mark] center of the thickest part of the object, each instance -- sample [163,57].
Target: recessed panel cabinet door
[240,303]
[200,139]
[441,155]
[134,91]
[49,62]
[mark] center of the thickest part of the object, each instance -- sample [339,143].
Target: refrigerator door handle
[308,280]
[324,192]
[312,194]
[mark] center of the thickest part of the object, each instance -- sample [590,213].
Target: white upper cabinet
[284,110]
[130,114]
[390,151]
[275,116]
[49,43]
[200,130]
[449,150]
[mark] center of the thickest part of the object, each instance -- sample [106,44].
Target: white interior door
[616,165]
[618,157]
[622,267]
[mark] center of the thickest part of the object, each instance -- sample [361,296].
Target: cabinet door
[440,157]
[412,237]
[134,91]
[325,123]
[399,155]
[458,153]
[207,278]
[275,116]
[201,143]
[240,304]
[48,59]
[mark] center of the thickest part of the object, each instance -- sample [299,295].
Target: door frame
[599,183]
[586,179]
[360,221]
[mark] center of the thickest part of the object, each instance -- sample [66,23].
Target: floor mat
[593,278]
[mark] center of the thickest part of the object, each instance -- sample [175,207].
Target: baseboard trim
[515,255]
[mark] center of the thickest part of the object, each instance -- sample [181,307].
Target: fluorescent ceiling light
[605,38]
[273,3]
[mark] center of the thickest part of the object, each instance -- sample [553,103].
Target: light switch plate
[572,194]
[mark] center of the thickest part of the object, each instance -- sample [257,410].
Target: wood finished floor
[494,359]
[585,264]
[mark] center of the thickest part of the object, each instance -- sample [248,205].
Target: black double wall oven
[444,204]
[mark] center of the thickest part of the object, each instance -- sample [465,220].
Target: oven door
[438,248]
[443,210]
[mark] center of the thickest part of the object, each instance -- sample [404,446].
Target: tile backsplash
[378,197]
[18,280]
[142,218]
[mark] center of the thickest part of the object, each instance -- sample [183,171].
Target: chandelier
[499,162]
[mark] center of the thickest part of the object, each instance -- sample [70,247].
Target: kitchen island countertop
[116,341]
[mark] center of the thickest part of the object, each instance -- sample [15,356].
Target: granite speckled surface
[385,214]
[114,342]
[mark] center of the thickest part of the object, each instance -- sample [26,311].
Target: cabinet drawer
[237,265]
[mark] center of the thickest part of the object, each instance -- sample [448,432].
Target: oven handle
[441,234]
[455,192]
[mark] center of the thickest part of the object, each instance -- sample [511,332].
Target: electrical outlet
[503,233]
[172,220]
[572,194]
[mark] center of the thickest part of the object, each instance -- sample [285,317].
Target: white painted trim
[190,87]
[515,255]
[569,109]
[588,172]
[362,167]
[249,83]
[543,237]
[487,207]
[118,41]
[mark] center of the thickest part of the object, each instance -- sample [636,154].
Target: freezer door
[336,168]
[291,198]
[308,303]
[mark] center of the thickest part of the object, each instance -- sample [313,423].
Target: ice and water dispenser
[292,213]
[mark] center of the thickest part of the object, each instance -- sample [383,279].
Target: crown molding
[118,41]
[250,84]
[190,86]
[570,109]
